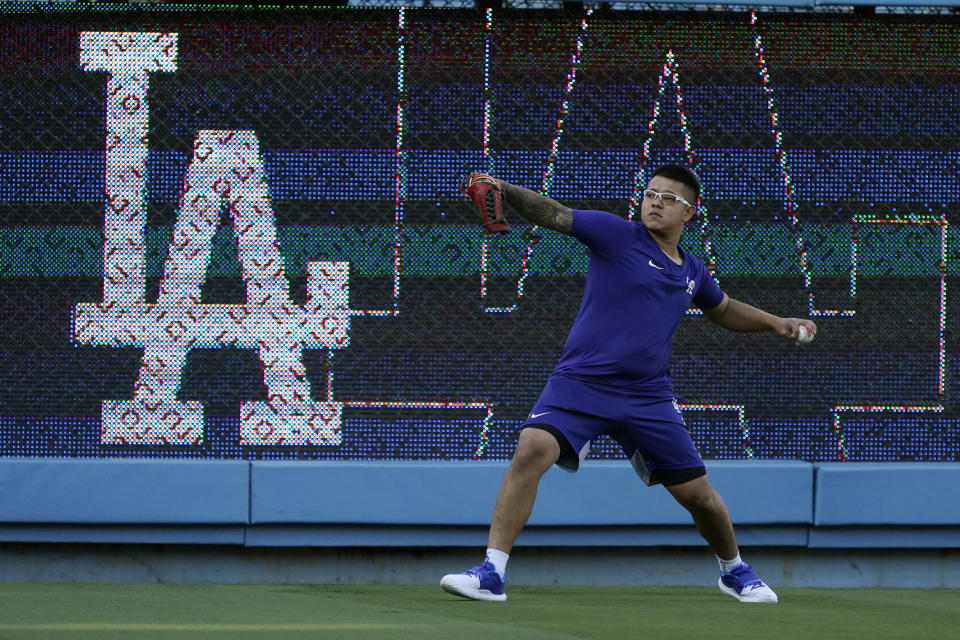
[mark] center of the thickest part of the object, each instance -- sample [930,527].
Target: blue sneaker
[744,585]
[479,583]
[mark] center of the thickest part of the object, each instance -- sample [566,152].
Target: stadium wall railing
[449,504]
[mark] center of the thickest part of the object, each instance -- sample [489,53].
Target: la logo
[226,170]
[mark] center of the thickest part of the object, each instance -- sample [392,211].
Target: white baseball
[802,337]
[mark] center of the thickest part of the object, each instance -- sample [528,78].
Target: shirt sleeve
[708,294]
[602,232]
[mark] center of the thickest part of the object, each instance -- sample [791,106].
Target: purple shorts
[651,431]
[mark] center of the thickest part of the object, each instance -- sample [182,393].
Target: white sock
[727,565]
[499,560]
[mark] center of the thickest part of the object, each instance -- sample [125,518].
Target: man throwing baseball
[613,376]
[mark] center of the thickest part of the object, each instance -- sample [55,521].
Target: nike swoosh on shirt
[655,265]
[537,415]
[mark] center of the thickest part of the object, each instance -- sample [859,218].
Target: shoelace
[752,584]
[475,571]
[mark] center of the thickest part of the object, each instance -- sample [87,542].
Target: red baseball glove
[484,191]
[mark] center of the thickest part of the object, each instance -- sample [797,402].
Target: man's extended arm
[734,315]
[536,208]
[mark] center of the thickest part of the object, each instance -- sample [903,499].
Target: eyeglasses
[665,198]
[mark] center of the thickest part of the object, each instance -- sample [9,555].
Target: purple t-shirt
[633,301]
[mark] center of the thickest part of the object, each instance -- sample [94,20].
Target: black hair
[682,175]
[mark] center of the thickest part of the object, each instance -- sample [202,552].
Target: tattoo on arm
[538,209]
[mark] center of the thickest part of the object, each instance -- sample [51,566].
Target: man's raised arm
[536,208]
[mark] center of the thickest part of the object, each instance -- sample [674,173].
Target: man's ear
[689,214]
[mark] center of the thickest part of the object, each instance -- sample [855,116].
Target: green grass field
[141,611]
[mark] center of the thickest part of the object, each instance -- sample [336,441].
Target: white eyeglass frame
[673,197]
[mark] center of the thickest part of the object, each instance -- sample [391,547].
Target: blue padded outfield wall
[244,302]
[409,504]
[837,524]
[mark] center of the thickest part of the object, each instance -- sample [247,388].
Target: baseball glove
[484,191]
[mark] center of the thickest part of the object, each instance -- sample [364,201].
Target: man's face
[667,215]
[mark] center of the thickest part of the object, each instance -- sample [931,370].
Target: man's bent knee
[696,494]
[536,449]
